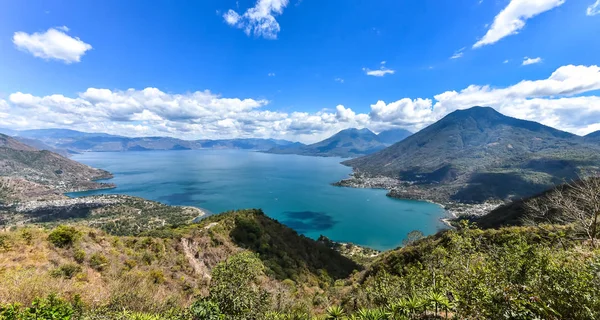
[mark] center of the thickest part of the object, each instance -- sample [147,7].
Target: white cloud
[52,44]
[382,71]
[593,9]
[506,61]
[458,54]
[563,100]
[527,61]
[258,20]
[271,74]
[340,80]
[512,19]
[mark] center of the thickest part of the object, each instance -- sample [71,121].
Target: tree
[235,287]
[576,203]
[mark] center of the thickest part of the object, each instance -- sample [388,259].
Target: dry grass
[141,273]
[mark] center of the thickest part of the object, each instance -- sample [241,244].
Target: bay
[295,190]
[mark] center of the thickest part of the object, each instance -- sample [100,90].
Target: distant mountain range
[66,141]
[346,143]
[478,154]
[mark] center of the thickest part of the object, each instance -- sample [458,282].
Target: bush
[4,243]
[157,276]
[205,310]
[27,236]
[79,256]
[66,271]
[98,261]
[48,308]
[63,236]
[235,287]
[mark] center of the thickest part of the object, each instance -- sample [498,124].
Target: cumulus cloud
[382,71]
[527,61]
[340,80]
[593,9]
[563,100]
[512,19]
[258,20]
[52,44]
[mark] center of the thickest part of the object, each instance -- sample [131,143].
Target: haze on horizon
[297,70]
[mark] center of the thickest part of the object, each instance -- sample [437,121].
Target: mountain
[346,143]
[65,140]
[393,135]
[42,146]
[477,154]
[593,137]
[7,142]
[44,169]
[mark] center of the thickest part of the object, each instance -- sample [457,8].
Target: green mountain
[346,143]
[478,154]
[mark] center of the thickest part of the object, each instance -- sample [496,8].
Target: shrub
[157,276]
[48,308]
[4,243]
[205,310]
[66,271]
[98,261]
[63,236]
[79,256]
[27,236]
[130,264]
[235,287]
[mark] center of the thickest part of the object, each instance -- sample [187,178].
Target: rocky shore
[438,194]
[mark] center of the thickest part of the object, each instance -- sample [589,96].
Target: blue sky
[302,71]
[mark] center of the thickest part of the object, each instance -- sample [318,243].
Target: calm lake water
[295,190]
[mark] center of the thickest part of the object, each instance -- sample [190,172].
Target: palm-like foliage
[397,310]
[371,314]
[437,300]
[414,305]
[335,313]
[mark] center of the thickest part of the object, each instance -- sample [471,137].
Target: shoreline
[408,191]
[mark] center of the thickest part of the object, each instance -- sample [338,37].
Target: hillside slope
[478,154]
[165,267]
[46,169]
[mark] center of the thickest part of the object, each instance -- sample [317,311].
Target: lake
[295,190]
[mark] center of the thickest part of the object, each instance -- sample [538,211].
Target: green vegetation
[542,271]
[63,236]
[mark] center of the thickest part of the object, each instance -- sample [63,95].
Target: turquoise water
[293,189]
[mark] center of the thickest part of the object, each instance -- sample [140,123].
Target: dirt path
[198,265]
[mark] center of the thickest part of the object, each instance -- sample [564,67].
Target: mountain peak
[476,112]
